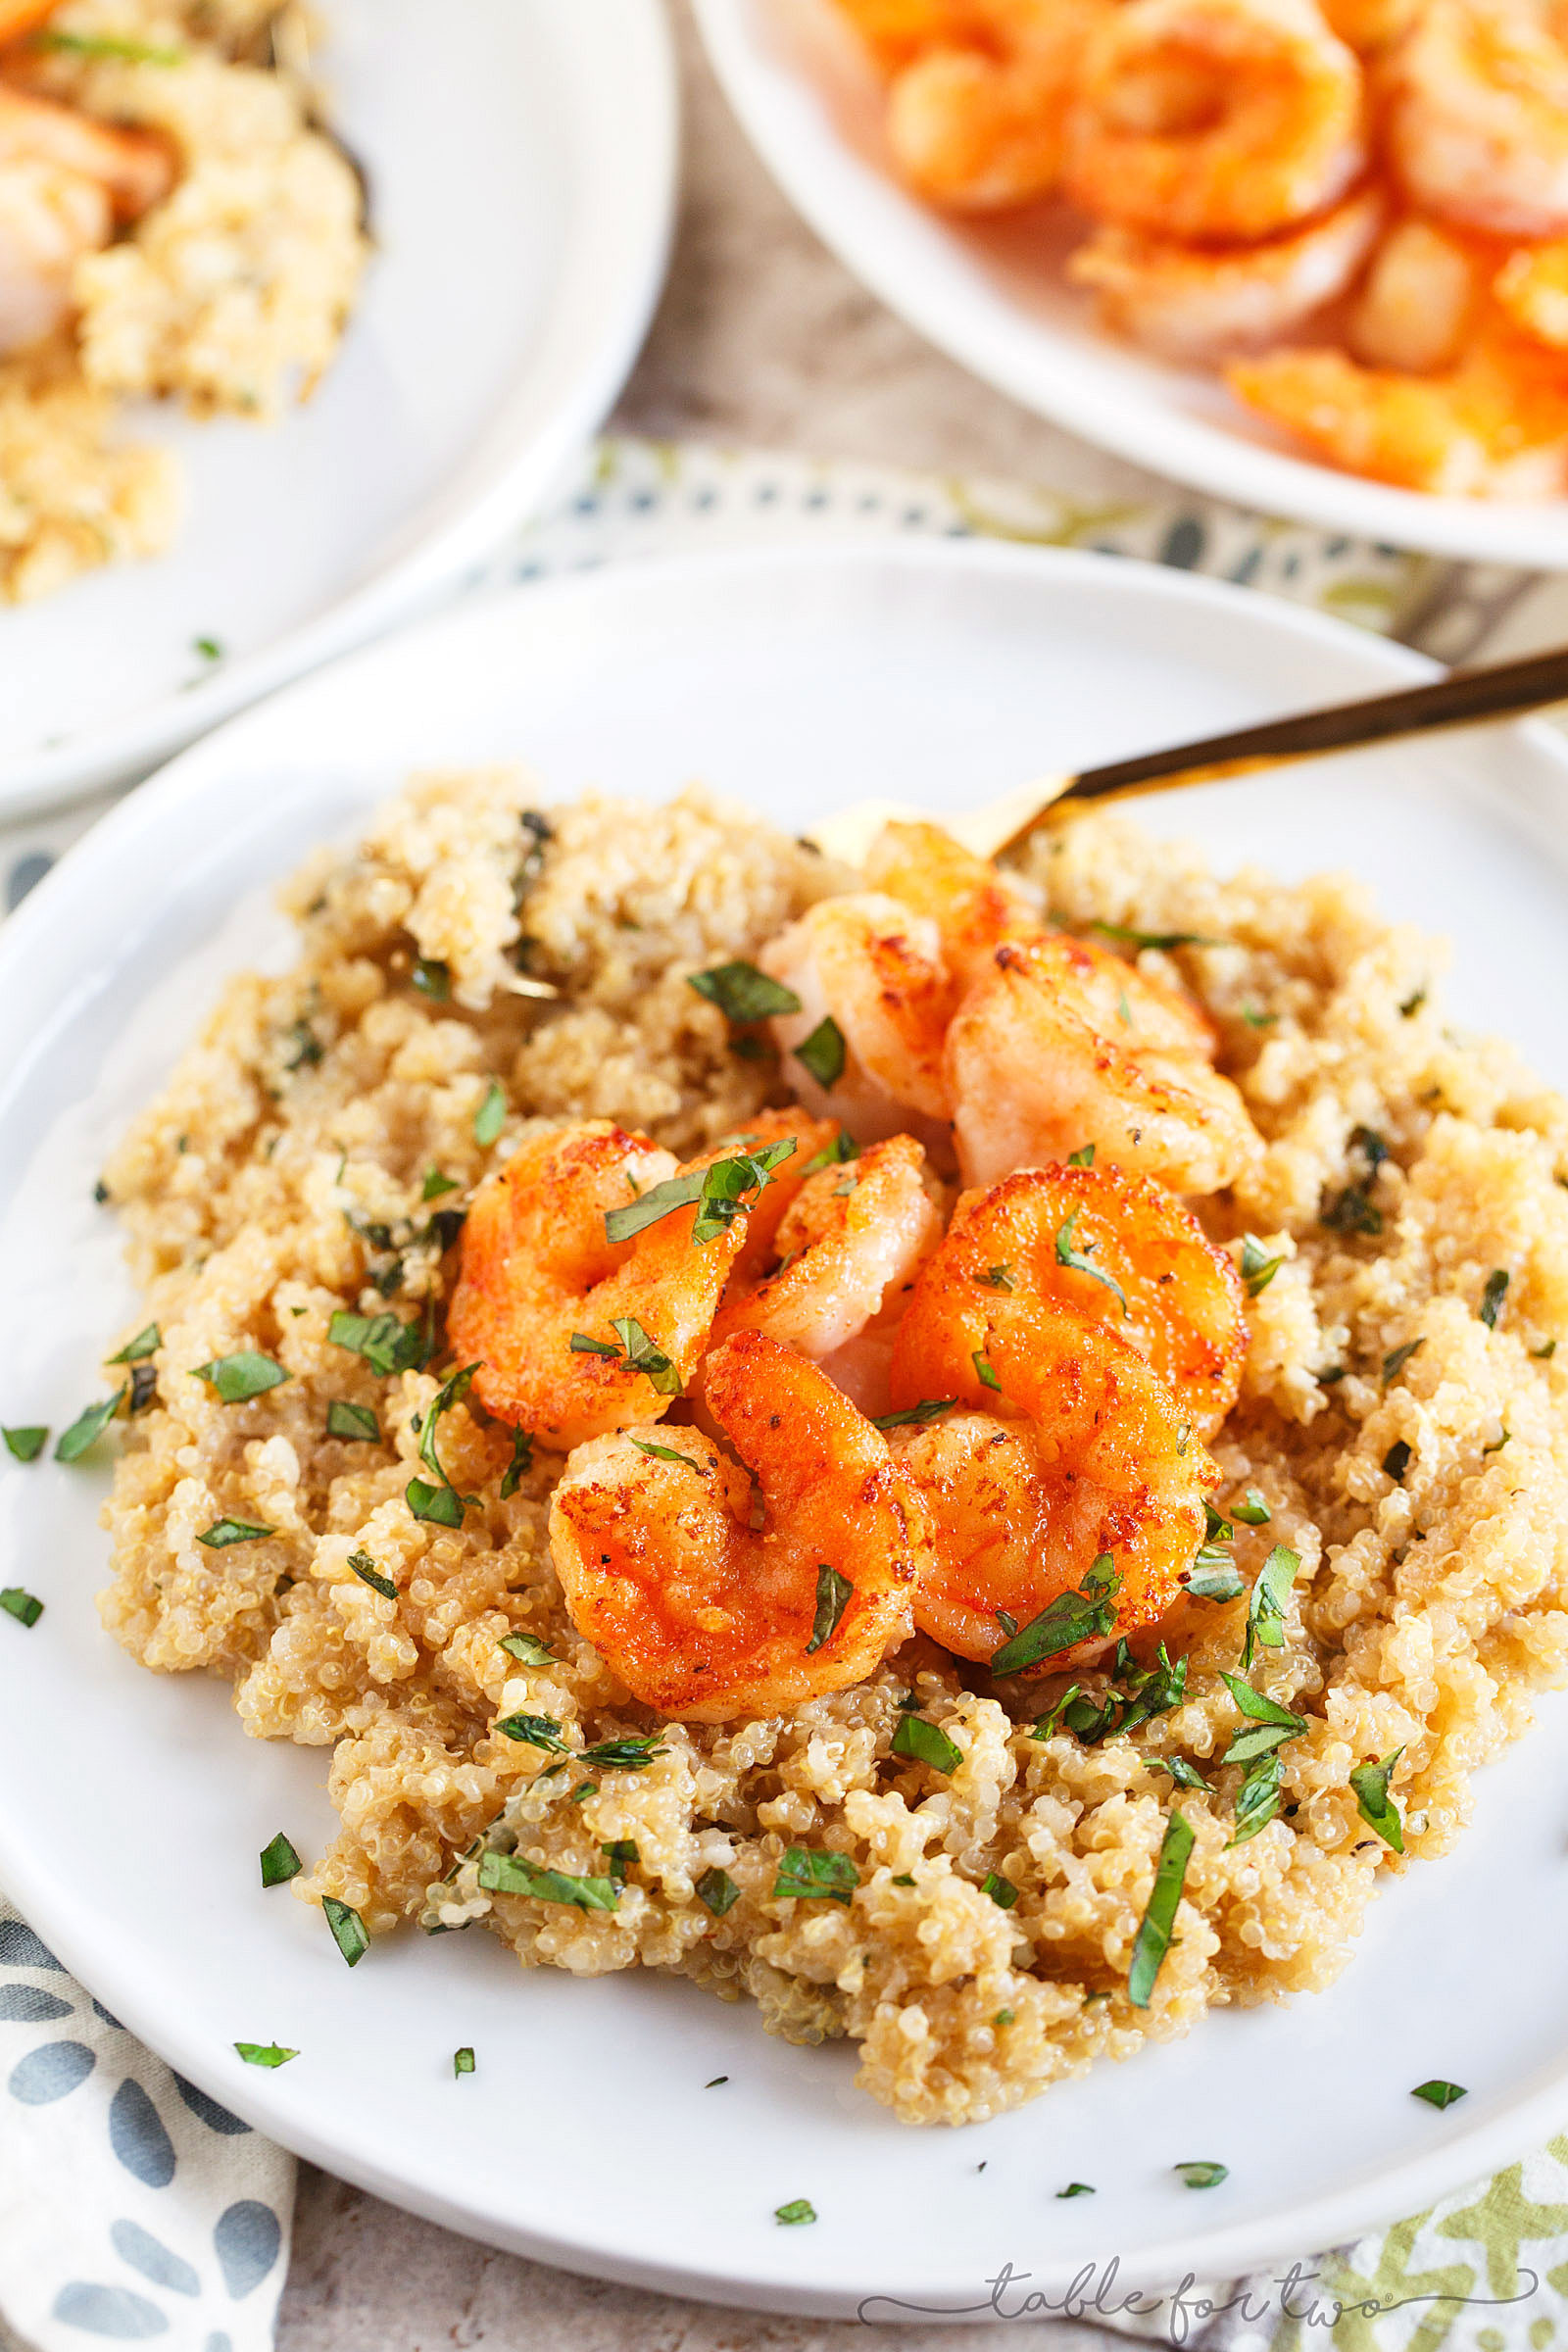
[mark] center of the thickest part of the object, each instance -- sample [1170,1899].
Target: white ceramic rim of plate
[597,314]
[144,834]
[848,204]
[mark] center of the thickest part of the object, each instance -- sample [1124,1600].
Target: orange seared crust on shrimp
[706,1617]
[1107,1246]
[538,1270]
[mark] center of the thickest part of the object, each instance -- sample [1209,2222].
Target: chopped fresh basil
[225,1532]
[1165,940]
[1396,1461]
[88,1427]
[719,1190]
[491,1117]
[985,1371]
[435,1183]
[1213,1577]
[843,1147]
[264,2053]
[581,1345]
[917,1417]
[1154,1930]
[1544,1355]
[1258,1269]
[512,1874]
[433,979]
[618,1853]
[26,1608]
[146,1343]
[1260,1708]
[463,2060]
[1493,1295]
[143,1388]
[583,1792]
[387,1343]
[1265,1607]
[824,1053]
[1251,1510]
[534,1730]
[345,1420]
[1004,2017]
[717,1892]
[521,1464]
[1413,1003]
[800,2210]
[348,1928]
[1439,2095]
[1003,1892]
[833,1595]
[440,1506]
[744,994]
[1203,2176]
[1078,1260]
[365,1569]
[1352,1211]
[668,1453]
[1398,1357]
[1071,1618]
[1185,1775]
[904,1878]
[1046,1724]
[238,1378]
[805,1872]
[1075,2188]
[923,1743]
[1374,1803]
[121,50]
[1258,1800]
[645,1356]
[529,1648]
[1497,1445]
[634,1751]
[998,1278]
[715,2082]
[1256,1019]
[1082,1160]
[279,1862]
[25,1444]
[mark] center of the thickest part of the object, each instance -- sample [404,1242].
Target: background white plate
[994,299]
[521,161]
[135,1807]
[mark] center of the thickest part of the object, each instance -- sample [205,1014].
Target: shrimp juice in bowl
[970,1455]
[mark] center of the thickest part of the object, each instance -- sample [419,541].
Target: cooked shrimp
[973,906]
[1477,119]
[852,1235]
[135,168]
[760,1253]
[18,17]
[1192,303]
[539,1272]
[702,1615]
[1531,287]
[1493,426]
[1214,118]
[48,219]
[1072,1449]
[898,32]
[1415,309]
[1367,26]
[1067,1046]
[980,127]
[1103,1245]
[875,970]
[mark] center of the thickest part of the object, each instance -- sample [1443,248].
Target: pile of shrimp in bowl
[1354,211]
[917,1445]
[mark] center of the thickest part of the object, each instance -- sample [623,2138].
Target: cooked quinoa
[1410,1447]
[230,296]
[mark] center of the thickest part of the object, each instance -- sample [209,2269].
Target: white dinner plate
[995,299]
[520,157]
[134,1805]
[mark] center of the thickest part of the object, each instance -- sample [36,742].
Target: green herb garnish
[1165,940]
[528,1648]
[1396,1461]
[1265,1607]
[435,1185]
[387,1343]
[1071,1618]
[521,1464]
[225,1532]
[115,47]
[1078,1260]
[1258,1269]
[923,1743]
[1398,1357]
[917,1417]
[618,1853]
[668,1453]
[491,1117]
[1082,1160]
[88,1428]
[998,1278]
[534,1730]
[824,1053]
[833,1595]
[1154,1930]
[433,979]
[1258,1800]
[264,2053]
[1075,2188]
[645,1356]
[279,1862]
[580,1344]
[1203,2176]
[26,1608]
[1185,1775]
[717,1892]
[1493,1295]
[439,1507]
[985,1370]
[1271,1724]
[1251,1510]
[1439,2095]
[803,1872]
[634,1751]
[463,2060]
[365,1569]
[348,1928]
[744,994]
[345,1420]
[238,1378]
[512,1874]
[1003,1892]
[146,1343]
[842,1148]
[720,1191]
[1374,1803]
[800,2210]
[25,1444]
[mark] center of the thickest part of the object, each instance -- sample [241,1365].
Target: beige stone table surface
[762,339]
